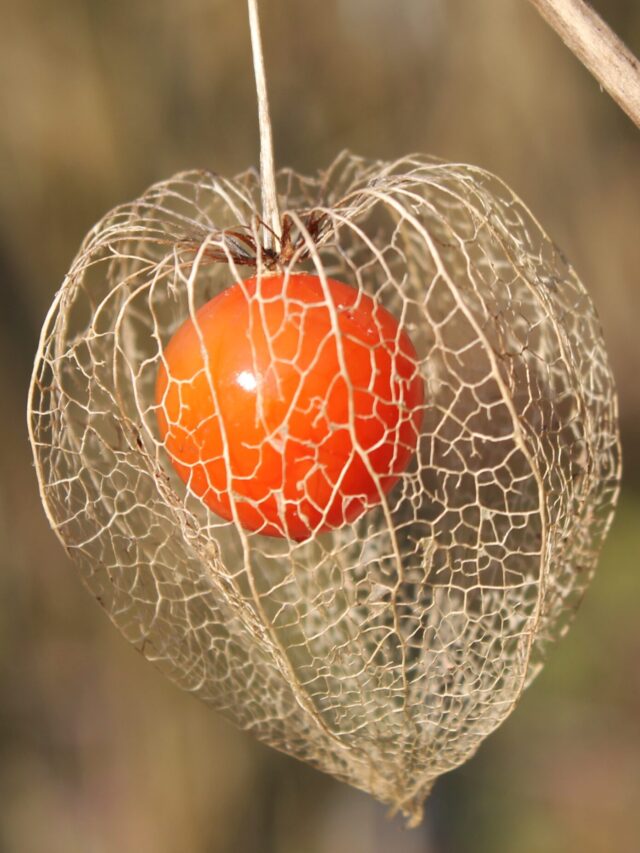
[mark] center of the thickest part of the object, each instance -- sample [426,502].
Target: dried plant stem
[270,211]
[598,48]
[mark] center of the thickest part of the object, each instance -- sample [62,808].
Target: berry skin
[296,400]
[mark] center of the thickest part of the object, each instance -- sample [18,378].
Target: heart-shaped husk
[384,652]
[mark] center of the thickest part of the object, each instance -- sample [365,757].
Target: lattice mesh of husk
[385,651]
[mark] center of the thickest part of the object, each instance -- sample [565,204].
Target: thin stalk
[598,48]
[270,210]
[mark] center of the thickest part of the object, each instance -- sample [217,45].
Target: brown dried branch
[598,48]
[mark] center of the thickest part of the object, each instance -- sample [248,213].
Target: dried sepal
[383,652]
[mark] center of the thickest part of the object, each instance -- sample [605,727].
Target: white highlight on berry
[247,380]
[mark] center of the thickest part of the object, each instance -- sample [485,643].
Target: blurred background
[99,98]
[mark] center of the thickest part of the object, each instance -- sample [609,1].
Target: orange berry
[296,400]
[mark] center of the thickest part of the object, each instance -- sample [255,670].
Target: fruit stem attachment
[598,48]
[270,211]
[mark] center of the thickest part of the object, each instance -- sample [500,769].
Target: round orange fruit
[290,404]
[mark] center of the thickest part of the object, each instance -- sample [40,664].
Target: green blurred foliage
[99,99]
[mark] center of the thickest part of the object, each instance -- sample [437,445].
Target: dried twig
[598,48]
[270,212]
